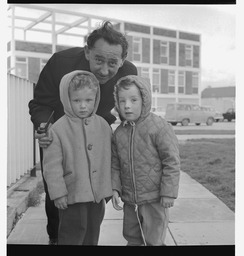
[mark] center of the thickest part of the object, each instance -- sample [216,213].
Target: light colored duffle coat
[77,164]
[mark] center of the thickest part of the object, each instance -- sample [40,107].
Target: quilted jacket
[77,163]
[145,155]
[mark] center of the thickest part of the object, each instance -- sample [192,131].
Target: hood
[64,92]
[145,88]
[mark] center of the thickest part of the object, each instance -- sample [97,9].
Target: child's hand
[61,203]
[116,201]
[167,202]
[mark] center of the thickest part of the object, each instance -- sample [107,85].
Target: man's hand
[61,203]
[167,202]
[43,138]
[116,201]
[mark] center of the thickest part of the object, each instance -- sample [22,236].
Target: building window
[181,82]
[21,67]
[145,72]
[171,81]
[195,83]
[43,63]
[164,52]
[156,80]
[137,49]
[188,55]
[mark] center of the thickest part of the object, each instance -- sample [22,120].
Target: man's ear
[87,52]
[122,62]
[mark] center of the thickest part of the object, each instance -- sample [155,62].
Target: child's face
[82,101]
[130,103]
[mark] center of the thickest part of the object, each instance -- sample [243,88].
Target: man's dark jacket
[46,93]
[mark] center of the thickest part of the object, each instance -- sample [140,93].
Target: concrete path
[198,218]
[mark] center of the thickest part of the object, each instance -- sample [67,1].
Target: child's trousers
[79,224]
[153,224]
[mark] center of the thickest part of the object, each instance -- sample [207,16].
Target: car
[186,113]
[230,114]
[158,111]
[217,115]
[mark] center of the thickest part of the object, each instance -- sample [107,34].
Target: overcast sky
[215,23]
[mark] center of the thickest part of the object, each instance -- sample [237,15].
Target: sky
[215,23]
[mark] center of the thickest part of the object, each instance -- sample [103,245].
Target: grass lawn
[211,162]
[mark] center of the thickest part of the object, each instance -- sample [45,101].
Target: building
[169,58]
[221,98]
[30,58]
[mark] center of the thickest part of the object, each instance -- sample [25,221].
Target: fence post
[21,156]
[33,171]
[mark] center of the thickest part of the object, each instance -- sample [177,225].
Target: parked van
[217,115]
[186,113]
[158,111]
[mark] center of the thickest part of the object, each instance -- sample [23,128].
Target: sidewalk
[197,218]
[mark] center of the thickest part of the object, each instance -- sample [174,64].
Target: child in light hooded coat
[77,164]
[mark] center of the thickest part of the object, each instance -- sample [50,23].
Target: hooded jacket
[77,163]
[145,154]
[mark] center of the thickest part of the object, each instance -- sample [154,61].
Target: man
[104,56]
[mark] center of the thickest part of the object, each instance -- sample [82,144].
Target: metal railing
[22,151]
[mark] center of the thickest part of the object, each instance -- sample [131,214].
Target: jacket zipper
[133,179]
[131,159]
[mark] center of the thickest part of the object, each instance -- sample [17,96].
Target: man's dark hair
[110,35]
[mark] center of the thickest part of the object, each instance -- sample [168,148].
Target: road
[216,126]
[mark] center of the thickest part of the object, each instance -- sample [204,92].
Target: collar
[132,123]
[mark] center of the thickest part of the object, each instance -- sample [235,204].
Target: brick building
[169,58]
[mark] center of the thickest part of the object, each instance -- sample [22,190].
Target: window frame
[166,54]
[23,63]
[137,40]
[170,72]
[195,86]
[145,72]
[188,57]
[183,75]
[156,71]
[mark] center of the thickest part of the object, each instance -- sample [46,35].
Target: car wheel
[185,122]
[229,120]
[174,123]
[210,121]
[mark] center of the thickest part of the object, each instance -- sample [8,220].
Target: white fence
[21,154]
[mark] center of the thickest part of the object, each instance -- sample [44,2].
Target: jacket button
[89,147]
[86,122]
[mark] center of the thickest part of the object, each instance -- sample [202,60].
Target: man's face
[104,59]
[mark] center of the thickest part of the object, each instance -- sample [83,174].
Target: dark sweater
[46,93]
